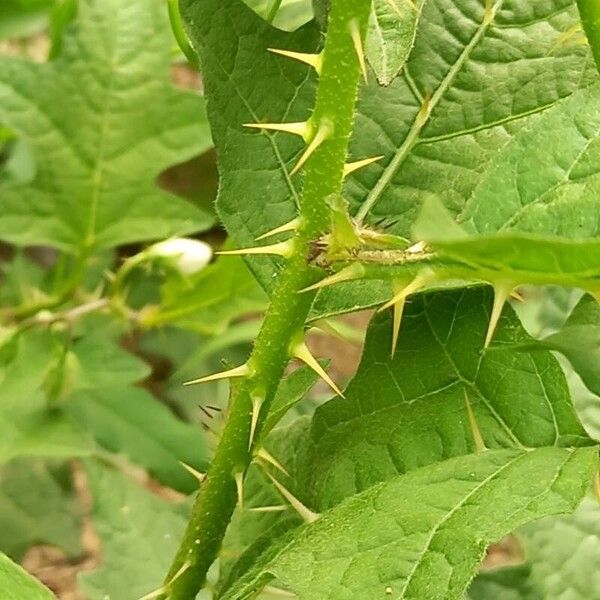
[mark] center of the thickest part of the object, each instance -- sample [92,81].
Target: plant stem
[180,35]
[273,10]
[286,316]
[590,18]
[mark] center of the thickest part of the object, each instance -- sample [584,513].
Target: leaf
[28,425]
[402,413]
[484,80]
[423,534]
[95,170]
[37,505]
[18,584]
[128,419]
[391,35]
[579,341]
[544,191]
[564,553]
[508,583]
[139,533]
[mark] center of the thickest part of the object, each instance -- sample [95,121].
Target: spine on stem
[326,134]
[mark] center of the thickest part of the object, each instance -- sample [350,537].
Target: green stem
[288,310]
[180,34]
[590,18]
[273,10]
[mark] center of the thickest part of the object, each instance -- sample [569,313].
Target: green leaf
[18,584]
[564,553]
[404,412]
[37,505]
[423,534]
[96,170]
[28,425]
[126,419]
[543,191]
[139,533]
[391,35]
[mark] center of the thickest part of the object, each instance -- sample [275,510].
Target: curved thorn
[501,294]
[199,476]
[414,286]
[267,457]
[358,47]
[354,271]
[241,371]
[313,60]
[307,515]
[283,249]
[475,431]
[301,352]
[257,403]
[302,129]
[239,486]
[350,167]
[289,226]
[322,134]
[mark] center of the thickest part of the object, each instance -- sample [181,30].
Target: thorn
[477,437]
[350,167]
[303,129]
[354,271]
[155,594]
[257,403]
[415,285]
[313,60]
[398,312]
[358,47]
[289,226]
[205,411]
[280,249]
[165,588]
[301,352]
[239,484]
[241,371]
[267,509]
[267,457]
[324,131]
[307,515]
[501,294]
[516,295]
[425,109]
[199,476]
[275,591]
[417,248]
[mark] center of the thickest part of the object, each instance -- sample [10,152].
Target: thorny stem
[590,18]
[286,316]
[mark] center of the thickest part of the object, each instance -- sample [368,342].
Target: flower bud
[186,255]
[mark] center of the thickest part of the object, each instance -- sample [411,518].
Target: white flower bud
[187,256]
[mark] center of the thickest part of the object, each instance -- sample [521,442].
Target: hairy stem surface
[285,318]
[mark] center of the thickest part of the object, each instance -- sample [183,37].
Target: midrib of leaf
[422,119]
[451,512]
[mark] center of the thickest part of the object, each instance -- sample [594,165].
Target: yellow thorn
[398,312]
[349,168]
[275,591]
[241,371]
[515,295]
[324,131]
[307,515]
[267,509]
[165,588]
[313,60]
[257,403]
[267,457]
[415,285]
[477,437]
[354,271]
[302,129]
[358,47]
[289,226]
[501,294]
[199,476]
[301,352]
[239,485]
[280,249]
[155,594]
